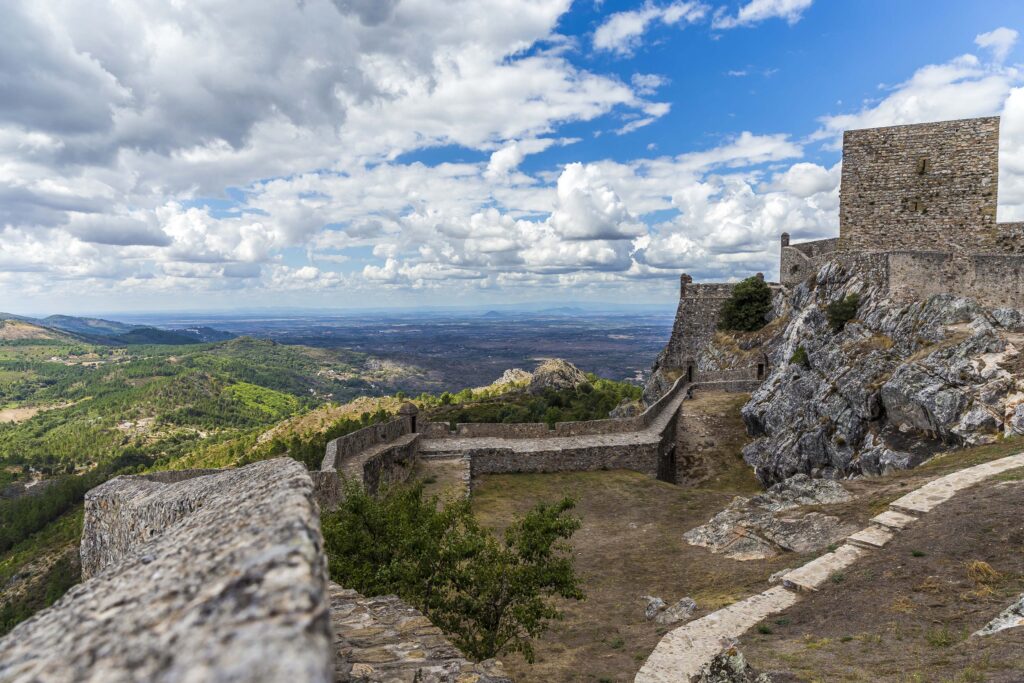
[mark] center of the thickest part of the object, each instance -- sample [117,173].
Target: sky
[203,154]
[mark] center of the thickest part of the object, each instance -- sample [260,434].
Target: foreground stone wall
[218,577]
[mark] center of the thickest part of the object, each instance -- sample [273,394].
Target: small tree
[748,307]
[842,311]
[492,595]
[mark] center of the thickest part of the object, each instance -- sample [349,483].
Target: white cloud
[511,155]
[588,209]
[1000,42]
[961,88]
[622,32]
[757,11]
[648,84]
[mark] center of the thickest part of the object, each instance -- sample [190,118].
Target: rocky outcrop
[768,524]
[893,386]
[729,666]
[556,374]
[1011,617]
[216,577]
[658,611]
[626,408]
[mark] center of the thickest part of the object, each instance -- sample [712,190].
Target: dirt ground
[631,545]
[442,477]
[905,613]
[18,414]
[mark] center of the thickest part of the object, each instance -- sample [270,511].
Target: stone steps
[683,651]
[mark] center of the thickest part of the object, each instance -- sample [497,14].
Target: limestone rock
[729,666]
[218,577]
[897,384]
[754,529]
[556,374]
[1011,617]
[654,605]
[626,408]
[513,376]
[683,609]
[657,610]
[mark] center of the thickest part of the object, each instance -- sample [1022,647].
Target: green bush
[842,311]
[748,307]
[493,595]
[799,357]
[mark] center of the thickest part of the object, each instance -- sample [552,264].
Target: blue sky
[349,153]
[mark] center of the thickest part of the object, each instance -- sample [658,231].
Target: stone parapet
[219,577]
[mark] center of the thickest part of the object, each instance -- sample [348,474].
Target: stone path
[384,640]
[683,651]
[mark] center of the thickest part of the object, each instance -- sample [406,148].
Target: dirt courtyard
[631,545]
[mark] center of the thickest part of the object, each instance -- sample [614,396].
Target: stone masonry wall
[345,447]
[990,279]
[219,577]
[540,430]
[801,261]
[925,187]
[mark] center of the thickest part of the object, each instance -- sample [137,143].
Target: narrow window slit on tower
[923,166]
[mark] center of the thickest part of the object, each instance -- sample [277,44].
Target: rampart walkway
[650,435]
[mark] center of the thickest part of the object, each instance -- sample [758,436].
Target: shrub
[748,307]
[493,595]
[800,357]
[842,311]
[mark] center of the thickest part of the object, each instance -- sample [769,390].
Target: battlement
[924,196]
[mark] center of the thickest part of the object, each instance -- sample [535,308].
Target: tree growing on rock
[492,594]
[748,308]
[842,311]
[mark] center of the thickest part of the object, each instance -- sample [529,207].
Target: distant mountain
[100,331]
[17,329]
[493,314]
[71,323]
[152,335]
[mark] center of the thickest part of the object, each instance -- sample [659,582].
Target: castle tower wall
[696,322]
[929,186]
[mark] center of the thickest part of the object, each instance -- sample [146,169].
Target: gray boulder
[756,528]
[657,610]
[626,408]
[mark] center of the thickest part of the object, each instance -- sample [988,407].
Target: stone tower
[924,187]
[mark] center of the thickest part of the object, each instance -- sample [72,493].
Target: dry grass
[981,572]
